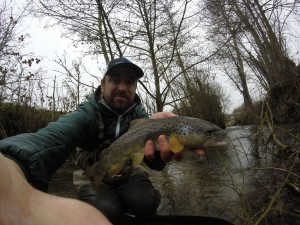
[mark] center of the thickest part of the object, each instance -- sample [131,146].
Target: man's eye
[130,82]
[115,81]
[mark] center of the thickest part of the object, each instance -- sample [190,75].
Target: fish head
[195,133]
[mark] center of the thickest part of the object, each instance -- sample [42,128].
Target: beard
[121,101]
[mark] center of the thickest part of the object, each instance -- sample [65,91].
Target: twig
[274,168]
[269,208]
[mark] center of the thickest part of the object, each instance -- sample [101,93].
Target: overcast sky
[49,44]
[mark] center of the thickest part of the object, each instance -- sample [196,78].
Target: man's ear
[102,83]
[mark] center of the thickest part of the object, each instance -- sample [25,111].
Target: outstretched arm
[21,204]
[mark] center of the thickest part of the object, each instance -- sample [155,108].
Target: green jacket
[41,153]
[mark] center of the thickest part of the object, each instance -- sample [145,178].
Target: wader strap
[101,127]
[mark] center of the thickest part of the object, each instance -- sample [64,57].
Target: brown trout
[183,133]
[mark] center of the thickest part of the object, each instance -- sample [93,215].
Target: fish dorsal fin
[137,122]
[175,144]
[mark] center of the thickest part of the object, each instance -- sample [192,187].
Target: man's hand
[160,115]
[165,153]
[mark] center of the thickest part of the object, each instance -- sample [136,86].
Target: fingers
[149,151]
[165,153]
[160,115]
[200,152]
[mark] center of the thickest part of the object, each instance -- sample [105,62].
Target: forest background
[188,49]
[195,54]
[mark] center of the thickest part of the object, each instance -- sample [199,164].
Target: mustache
[121,94]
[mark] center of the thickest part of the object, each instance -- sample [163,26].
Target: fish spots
[183,133]
[105,152]
[184,130]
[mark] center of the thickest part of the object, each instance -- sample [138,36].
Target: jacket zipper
[118,126]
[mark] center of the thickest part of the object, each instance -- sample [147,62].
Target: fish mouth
[201,151]
[217,140]
[214,143]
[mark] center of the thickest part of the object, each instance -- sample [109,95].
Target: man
[93,127]
[131,190]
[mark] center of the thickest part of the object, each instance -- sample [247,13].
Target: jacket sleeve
[40,154]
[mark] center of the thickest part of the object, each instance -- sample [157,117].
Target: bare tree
[83,22]
[257,45]
[202,98]
[225,26]
[75,88]
[17,75]
[149,32]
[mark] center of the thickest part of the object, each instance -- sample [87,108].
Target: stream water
[229,183]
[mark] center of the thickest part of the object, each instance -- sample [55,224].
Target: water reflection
[221,185]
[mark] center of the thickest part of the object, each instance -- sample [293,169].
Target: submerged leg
[138,195]
[105,199]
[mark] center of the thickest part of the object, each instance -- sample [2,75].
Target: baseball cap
[122,61]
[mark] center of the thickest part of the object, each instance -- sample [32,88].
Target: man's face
[118,88]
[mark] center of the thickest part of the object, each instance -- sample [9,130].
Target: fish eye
[209,132]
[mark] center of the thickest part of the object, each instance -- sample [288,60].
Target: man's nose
[122,86]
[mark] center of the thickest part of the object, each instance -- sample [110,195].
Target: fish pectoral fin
[137,158]
[175,144]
